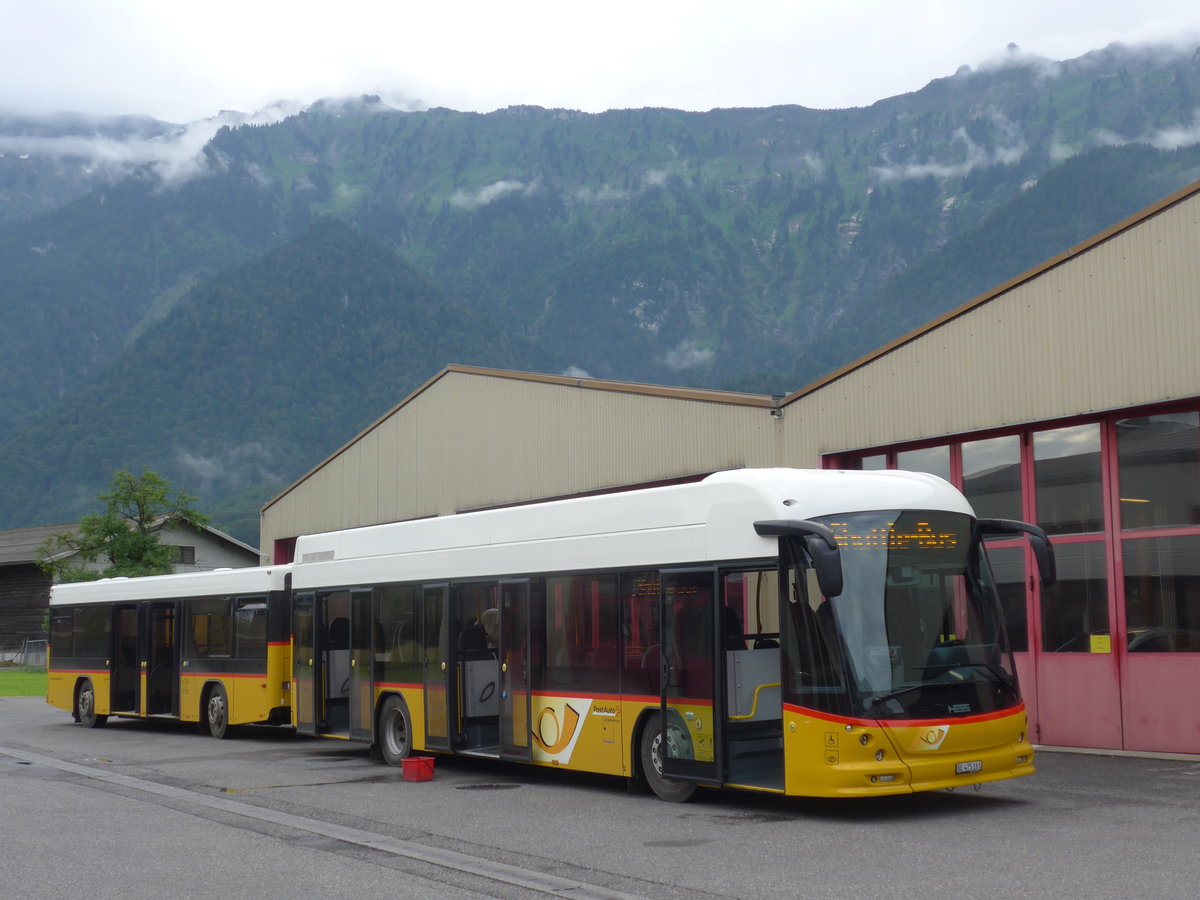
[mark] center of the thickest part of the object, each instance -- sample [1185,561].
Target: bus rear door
[160,658]
[126,684]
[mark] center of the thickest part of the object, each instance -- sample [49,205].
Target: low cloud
[174,156]
[688,355]
[973,157]
[488,193]
[1013,57]
[231,468]
[1170,138]
[1176,136]
[576,372]
[605,194]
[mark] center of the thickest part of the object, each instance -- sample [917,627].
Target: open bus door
[362,687]
[160,658]
[331,663]
[304,709]
[126,681]
[435,640]
[693,710]
[516,738]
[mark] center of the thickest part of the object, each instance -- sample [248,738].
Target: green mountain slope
[1079,199]
[747,247]
[267,368]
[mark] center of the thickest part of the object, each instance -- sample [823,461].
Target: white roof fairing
[251,580]
[709,520]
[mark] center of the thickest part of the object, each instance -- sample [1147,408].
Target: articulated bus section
[153,647]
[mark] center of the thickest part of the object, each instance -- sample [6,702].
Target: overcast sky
[181,60]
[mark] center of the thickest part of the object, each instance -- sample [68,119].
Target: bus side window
[640,629]
[62,626]
[814,646]
[581,632]
[250,624]
[209,634]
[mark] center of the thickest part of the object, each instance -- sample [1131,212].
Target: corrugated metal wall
[472,439]
[1114,326]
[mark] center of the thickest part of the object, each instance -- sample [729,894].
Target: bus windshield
[917,630]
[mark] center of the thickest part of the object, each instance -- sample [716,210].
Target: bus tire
[652,746]
[395,730]
[216,712]
[85,706]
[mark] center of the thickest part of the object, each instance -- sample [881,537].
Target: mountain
[269,367]
[160,308]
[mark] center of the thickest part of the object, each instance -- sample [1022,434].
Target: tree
[136,509]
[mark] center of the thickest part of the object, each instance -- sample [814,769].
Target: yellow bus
[807,633]
[212,648]
[812,633]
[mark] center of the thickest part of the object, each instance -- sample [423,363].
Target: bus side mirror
[821,545]
[1043,552]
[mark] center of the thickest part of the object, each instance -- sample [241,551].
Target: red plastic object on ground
[417,768]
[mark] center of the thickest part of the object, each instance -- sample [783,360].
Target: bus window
[751,614]
[813,646]
[250,624]
[91,632]
[62,633]
[209,634]
[689,600]
[581,632]
[639,605]
[397,634]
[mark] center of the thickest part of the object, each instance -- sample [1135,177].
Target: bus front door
[515,735]
[693,710]
[435,642]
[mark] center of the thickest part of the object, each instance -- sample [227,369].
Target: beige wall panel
[1117,325]
[388,474]
[471,440]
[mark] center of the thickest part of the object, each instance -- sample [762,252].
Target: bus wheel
[395,731]
[652,749]
[86,705]
[216,712]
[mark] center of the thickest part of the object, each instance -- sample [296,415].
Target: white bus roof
[220,582]
[709,520]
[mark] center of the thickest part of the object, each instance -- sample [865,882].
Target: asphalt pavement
[152,809]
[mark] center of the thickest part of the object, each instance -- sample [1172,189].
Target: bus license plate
[975,765]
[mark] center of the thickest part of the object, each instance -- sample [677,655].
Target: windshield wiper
[1000,676]
[899,692]
[998,673]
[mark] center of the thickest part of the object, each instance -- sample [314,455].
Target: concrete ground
[148,809]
